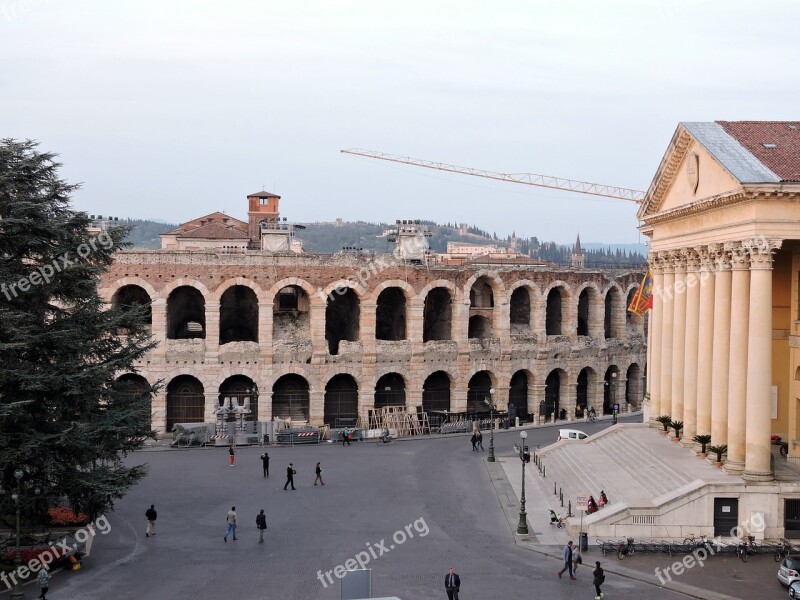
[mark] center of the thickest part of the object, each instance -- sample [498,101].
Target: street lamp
[490,403]
[17,593]
[524,457]
[613,398]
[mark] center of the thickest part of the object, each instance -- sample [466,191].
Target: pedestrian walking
[345,437]
[232,454]
[265,463]
[451,584]
[474,440]
[290,473]
[599,578]
[151,516]
[318,471]
[261,523]
[480,440]
[567,561]
[231,520]
[43,579]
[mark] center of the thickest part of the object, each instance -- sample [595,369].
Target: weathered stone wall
[291,345]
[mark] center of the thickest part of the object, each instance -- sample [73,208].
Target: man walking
[232,454]
[265,463]
[231,519]
[261,523]
[318,471]
[290,473]
[451,584]
[567,561]
[151,516]
[599,578]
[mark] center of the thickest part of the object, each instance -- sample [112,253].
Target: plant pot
[664,433]
[718,464]
[702,455]
[676,440]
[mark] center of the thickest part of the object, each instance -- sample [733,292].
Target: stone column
[538,397]
[265,322]
[722,337]
[690,347]
[570,400]
[668,303]
[366,329]
[737,377]
[678,335]
[316,407]
[319,346]
[759,365]
[212,327]
[654,338]
[705,349]
[159,327]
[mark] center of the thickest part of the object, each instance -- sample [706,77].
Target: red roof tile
[783,158]
[215,231]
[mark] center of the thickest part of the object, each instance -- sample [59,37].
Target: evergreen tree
[65,420]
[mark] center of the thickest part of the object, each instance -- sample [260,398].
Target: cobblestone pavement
[371,492]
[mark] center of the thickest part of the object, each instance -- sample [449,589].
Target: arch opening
[438,315]
[239,392]
[518,397]
[291,315]
[186,314]
[520,312]
[238,315]
[290,399]
[554,312]
[478,392]
[342,315]
[185,401]
[390,391]
[341,401]
[390,315]
[479,327]
[132,296]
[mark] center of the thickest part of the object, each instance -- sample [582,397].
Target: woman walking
[599,578]
[318,471]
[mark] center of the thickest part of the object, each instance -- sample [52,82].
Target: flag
[643,298]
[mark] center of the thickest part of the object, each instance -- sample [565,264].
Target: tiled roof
[776,144]
[215,231]
[730,153]
[262,195]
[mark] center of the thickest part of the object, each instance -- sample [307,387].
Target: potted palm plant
[719,451]
[703,440]
[665,420]
[677,426]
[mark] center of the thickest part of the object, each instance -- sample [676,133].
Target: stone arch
[437,316]
[132,295]
[588,295]
[552,406]
[341,401]
[134,388]
[557,296]
[634,390]
[479,389]
[390,390]
[239,390]
[223,287]
[408,289]
[312,292]
[610,389]
[291,398]
[238,315]
[391,314]
[520,387]
[613,310]
[341,284]
[185,401]
[586,391]
[107,293]
[479,327]
[185,281]
[342,317]
[496,283]
[436,392]
[186,313]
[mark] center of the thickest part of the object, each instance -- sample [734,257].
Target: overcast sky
[174,109]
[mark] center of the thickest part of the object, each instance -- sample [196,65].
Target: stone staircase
[644,475]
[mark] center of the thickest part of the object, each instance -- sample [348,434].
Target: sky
[174,109]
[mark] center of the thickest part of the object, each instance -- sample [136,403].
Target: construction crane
[547,181]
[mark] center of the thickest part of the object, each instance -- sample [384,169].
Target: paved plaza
[451,507]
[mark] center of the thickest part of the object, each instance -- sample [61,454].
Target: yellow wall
[782,373]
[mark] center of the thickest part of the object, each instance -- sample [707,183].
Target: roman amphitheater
[326,338]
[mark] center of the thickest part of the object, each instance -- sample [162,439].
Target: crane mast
[546,181]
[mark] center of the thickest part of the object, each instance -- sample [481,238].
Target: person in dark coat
[345,436]
[474,441]
[265,463]
[599,578]
[318,471]
[151,515]
[567,561]
[232,453]
[451,584]
[261,523]
[592,508]
[290,473]
[479,441]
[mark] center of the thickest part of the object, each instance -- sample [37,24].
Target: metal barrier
[293,437]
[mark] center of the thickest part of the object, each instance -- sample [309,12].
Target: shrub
[61,515]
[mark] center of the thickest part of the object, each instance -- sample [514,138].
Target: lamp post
[490,403]
[613,398]
[522,528]
[17,593]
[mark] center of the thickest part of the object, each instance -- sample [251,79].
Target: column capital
[761,251]
[678,260]
[691,258]
[740,259]
[707,258]
[720,256]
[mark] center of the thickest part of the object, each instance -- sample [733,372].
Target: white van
[570,434]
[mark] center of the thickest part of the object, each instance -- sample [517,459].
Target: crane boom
[547,181]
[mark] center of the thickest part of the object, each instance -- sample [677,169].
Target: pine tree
[65,420]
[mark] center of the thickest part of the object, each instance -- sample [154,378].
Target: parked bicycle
[782,549]
[692,543]
[625,548]
[747,548]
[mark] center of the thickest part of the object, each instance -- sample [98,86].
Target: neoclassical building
[325,338]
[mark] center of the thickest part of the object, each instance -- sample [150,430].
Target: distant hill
[327,238]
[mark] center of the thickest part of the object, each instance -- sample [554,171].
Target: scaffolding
[397,419]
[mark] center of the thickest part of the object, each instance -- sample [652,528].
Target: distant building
[578,258]
[465,248]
